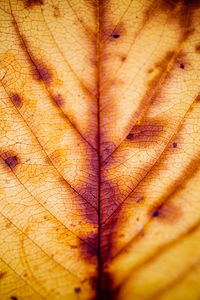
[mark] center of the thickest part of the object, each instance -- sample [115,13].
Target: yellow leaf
[99,149]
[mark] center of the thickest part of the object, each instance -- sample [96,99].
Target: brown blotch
[56,12]
[39,69]
[17,101]
[89,248]
[167,212]
[182,66]
[42,72]
[197,48]
[129,136]
[150,70]
[11,159]
[165,60]
[2,275]
[32,3]
[13,298]
[123,58]
[146,132]
[77,290]
[179,11]
[161,66]
[58,99]
[107,292]
[140,199]
[197,99]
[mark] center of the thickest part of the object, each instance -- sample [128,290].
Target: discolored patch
[16,99]
[140,199]
[56,11]
[38,69]
[130,136]
[42,73]
[123,58]
[58,99]
[167,213]
[77,290]
[116,36]
[164,61]
[13,298]
[179,11]
[89,248]
[106,292]
[197,48]
[32,3]
[11,159]
[146,132]
[115,32]
[150,70]
[174,145]
[197,99]
[162,68]
[2,275]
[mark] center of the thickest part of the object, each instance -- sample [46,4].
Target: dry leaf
[100,149]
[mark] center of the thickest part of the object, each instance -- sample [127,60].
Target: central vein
[98,55]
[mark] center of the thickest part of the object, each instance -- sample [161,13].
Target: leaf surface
[100,152]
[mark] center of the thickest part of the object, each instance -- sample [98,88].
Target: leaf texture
[99,149]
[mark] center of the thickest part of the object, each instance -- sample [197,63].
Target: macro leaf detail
[100,149]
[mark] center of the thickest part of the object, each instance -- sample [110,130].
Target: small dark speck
[77,290]
[155,214]
[182,66]
[174,145]
[116,36]
[13,298]
[129,136]
[140,199]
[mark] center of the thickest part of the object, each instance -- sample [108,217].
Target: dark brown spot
[2,275]
[11,161]
[150,70]
[31,3]
[174,145]
[123,58]
[129,136]
[77,290]
[17,101]
[197,48]
[13,298]
[197,98]
[182,66]
[140,199]
[116,36]
[58,99]
[155,213]
[114,32]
